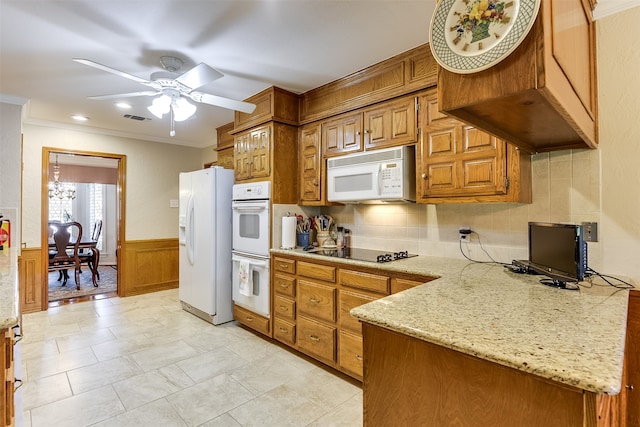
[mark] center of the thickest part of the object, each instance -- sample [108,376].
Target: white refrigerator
[204,236]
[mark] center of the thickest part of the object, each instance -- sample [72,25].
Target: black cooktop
[369,255]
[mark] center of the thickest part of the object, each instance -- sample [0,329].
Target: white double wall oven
[251,243]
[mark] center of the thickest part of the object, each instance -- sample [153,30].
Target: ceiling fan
[174,89]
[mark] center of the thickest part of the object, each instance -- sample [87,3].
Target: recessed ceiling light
[123,105]
[80,118]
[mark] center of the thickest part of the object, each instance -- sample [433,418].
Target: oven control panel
[252,191]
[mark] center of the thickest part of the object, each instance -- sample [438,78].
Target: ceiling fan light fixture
[182,109]
[160,106]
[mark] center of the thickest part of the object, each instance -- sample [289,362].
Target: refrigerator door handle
[189,230]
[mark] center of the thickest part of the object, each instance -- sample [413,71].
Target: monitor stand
[555,283]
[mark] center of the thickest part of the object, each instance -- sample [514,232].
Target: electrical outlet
[590,231]
[464,233]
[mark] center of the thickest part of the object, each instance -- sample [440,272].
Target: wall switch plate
[590,231]
[173,203]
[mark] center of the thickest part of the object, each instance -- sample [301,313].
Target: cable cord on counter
[605,277]
[493,261]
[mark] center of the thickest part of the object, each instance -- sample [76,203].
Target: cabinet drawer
[251,320]
[284,265]
[315,271]
[399,285]
[317,339]
[317,300]
[360,280]
[347,301]
[350,353]
[284,331]
[284,285]
[284,307]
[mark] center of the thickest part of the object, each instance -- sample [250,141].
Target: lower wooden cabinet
[251,320]
[350,353]
[311,304]
[7,409]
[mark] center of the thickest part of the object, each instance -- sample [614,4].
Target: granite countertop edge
[572,337]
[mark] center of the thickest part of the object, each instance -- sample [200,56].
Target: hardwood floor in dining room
[143,361]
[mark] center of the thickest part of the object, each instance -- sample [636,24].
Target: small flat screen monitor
[558,251]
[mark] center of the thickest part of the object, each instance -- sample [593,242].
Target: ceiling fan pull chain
[173,131]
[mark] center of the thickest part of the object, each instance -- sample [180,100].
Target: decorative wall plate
[467,36]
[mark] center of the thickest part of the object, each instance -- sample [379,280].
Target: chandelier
[60,190]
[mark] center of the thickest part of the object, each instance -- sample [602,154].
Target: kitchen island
[484,346]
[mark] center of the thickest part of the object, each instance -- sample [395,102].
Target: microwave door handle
[379,179]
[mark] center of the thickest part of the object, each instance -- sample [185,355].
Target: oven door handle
[250,206]
[252,262]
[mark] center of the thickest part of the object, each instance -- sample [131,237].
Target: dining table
[85,243]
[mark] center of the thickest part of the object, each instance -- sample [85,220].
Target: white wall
[10,128]
[151,178]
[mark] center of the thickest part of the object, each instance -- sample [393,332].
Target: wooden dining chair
[64,255]
[90,256]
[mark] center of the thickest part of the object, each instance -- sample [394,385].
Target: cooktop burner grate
[369,255]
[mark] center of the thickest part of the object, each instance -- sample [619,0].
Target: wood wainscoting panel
[149,266]
[32,290]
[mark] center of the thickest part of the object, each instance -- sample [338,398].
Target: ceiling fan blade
[126,95]
[219,101]
[199,76]
[111,70]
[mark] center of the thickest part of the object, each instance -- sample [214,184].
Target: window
[96,208]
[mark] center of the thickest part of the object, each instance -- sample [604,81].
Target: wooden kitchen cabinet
[629,401]
[312,301]
[459,163]
[311,165]
[391,123]
[252,320]
[543,96]
[224,148]
[342,135]
[272,104]
[257,152]
[7,410]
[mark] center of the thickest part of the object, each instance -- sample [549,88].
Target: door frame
[44,215]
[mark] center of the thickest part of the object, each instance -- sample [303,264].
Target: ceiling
[295,44]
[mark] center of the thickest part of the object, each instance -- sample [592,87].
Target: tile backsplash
[566,188]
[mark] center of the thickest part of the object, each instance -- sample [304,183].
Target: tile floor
[143,361]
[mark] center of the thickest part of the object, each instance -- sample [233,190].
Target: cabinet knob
[366,131]
[315,183]
[425,176]
[629,387]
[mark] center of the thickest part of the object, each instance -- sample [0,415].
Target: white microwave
[379,176]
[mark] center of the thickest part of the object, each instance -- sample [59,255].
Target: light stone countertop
[572,337]
[9,307]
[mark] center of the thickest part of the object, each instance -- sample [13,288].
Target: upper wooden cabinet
[312,191]
[272,104]
[225,146]
[543,96]
[407,72]
[385,124]
[457,163]
[390,123]
[342,135]
[269,152]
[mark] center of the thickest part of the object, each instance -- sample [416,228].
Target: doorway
[89,189]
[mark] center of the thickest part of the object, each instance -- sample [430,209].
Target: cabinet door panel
[350,353]
[284,331]
[260,152]
[310,163]
[347,301]
[391,123]
[242,158]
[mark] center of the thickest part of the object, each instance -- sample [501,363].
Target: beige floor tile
[81,410]
[39,349]
[84,339]
[281,407]
[45,390]
[224,420]
[160,355]
[144,388]
[209,399]
[347,414]
[122,347]
[102,373]
[211,364]
[51,365]
[157,413]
